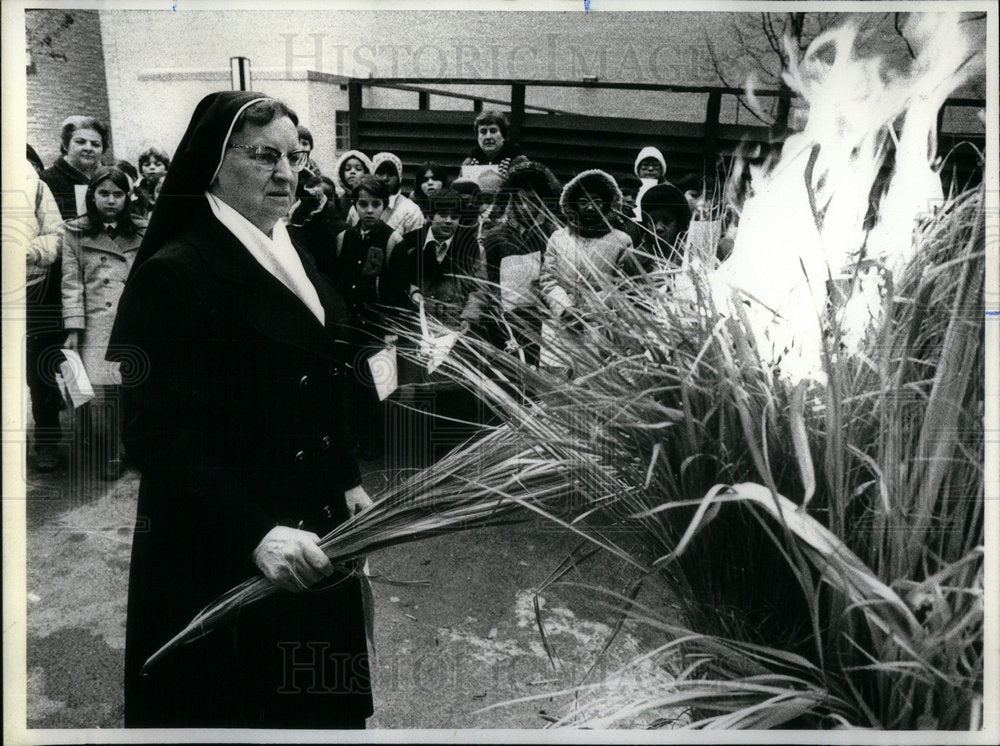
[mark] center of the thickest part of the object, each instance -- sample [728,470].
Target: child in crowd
[401,213]
[629,219]
[140,204]
[513,250]
[350,166]
[589,249]
[440,266]
[469,191]
[153,165]
[97,252]
[665,218]
[430,178]
[306,144]
[439,262]
[363,254]
[316,220]
[650,166]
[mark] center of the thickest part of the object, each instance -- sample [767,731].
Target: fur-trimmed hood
[588,180]
[591,181]
[650,152]
[385,157]
[342,188]
[532,175]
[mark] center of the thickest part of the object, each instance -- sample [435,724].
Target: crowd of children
[498,249]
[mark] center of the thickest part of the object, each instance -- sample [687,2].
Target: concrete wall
[67,74]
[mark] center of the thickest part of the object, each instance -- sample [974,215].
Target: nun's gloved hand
[291,558]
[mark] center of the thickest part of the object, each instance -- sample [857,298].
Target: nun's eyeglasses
[268,158]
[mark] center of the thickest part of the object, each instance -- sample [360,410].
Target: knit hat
[342,188]
[589,184]
[650,152]
[379,158]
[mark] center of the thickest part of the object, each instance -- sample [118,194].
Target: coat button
[326,443]
[107,281]
[328,511]
[104,259]
[334,370]
[300,457]
[304,382]
[108,304]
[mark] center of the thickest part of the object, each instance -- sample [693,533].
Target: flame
[805,221]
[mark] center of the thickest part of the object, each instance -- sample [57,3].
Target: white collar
[274,253]
[391,202]
[442,247]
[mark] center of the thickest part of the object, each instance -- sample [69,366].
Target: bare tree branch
[753,54]
[740,102]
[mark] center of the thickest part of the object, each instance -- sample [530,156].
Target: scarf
[275,254]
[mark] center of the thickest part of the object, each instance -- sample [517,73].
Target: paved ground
[444,652]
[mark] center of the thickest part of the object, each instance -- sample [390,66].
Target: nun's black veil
[191,171]
[182,202]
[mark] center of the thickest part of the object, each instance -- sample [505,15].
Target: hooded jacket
[342,189]
[574,258]
[576,189]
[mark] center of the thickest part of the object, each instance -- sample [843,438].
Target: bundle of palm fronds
[478,484]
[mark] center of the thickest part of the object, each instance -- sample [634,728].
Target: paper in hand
[384,372]
[78,389]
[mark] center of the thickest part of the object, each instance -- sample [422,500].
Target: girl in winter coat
[589,250]
[97,253]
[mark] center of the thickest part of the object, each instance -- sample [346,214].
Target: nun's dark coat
[236,418]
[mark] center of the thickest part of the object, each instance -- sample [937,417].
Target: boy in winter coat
[401,213]
[360,272]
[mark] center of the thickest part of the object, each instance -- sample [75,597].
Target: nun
[233,371]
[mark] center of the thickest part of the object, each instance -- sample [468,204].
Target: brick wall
[66,75]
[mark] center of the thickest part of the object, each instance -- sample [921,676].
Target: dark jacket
[502,158]
[234,412]
[317,233]
[450,287]
[360,268]
[62,179]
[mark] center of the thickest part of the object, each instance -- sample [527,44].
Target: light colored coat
[94,270]
[36,218]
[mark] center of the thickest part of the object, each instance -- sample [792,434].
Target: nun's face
[261,195]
